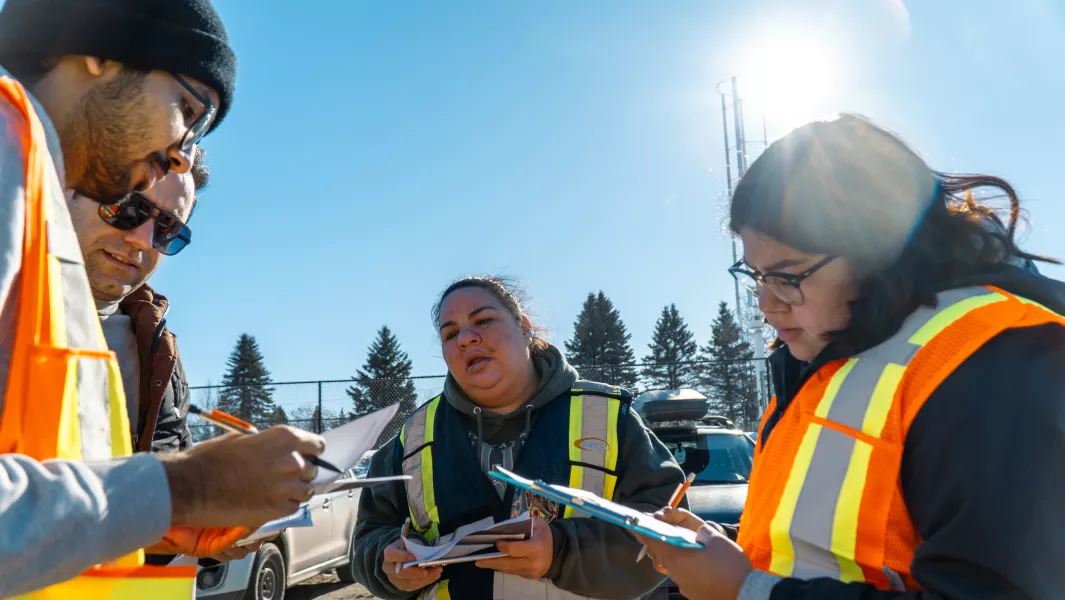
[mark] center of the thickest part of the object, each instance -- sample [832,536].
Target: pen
[403,539]
[674,502]
[231,423]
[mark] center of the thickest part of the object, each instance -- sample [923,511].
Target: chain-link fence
[322,405]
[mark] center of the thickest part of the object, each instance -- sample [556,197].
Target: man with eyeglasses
[106,98]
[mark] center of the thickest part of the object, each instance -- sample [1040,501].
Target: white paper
[300,518]
[354,484]
[345,445]
[451,546]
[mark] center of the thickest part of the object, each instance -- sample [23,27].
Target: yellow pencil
[674,502]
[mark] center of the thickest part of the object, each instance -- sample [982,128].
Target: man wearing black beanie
[124,89]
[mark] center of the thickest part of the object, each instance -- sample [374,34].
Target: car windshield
[714,458]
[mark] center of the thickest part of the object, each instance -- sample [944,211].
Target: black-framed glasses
[784,285]
[199,127]
[171,235]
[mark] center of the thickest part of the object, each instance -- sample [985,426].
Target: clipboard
[603,509]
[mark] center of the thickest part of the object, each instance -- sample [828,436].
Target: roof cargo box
[672,405]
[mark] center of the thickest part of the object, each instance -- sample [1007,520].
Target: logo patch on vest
[592,444]
[536,505]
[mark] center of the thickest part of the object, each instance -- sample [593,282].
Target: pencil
[674,502]
[403,539]
[231,423]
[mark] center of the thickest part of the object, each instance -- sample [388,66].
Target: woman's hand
[716,572]
[530,559]
[407,580]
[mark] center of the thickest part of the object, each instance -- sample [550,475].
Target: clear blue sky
[377,150]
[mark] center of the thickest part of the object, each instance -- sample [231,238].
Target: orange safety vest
[62,376]
[824,498]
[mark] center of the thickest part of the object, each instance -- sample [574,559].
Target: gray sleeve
[58,518]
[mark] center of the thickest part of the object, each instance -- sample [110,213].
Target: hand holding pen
[231,423]
[674,502]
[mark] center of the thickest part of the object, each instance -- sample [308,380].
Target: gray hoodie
[591,558]
[60,517]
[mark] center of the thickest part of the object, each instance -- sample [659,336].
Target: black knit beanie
[184,37]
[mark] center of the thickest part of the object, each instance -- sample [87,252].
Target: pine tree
[672,349]
[600,343]
[246,391]
[383,381]
[729,376]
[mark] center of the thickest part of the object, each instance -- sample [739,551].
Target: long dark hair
[848,188]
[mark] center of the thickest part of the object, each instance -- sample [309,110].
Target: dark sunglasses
[199,127]
[171,234]
[784,285]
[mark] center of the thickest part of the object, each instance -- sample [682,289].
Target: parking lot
[327,587]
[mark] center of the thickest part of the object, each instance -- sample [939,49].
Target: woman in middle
[511,399]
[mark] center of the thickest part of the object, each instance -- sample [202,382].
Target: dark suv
[719,454]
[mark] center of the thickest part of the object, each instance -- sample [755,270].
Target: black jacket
[983,467]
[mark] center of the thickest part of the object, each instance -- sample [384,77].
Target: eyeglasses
[199,127]
[783,285]
[171,235]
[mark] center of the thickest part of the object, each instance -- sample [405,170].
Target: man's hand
[530,559]
[237,552]
[407,580]
[715,572]
[242,480]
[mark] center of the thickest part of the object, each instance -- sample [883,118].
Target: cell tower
[744,149]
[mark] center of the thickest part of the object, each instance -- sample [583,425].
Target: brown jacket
[163,399]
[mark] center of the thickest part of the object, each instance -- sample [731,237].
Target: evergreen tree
[383,381]
[246,391]
[672,345]
[729,376]
[600,343]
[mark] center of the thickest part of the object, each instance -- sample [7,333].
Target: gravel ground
[327,587]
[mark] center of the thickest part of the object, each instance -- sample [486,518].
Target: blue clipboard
[601,508]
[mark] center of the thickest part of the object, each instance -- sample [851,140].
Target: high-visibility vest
[64,395]
[824,498]
[594,417]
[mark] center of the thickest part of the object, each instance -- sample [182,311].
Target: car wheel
[347,572]
[268,577]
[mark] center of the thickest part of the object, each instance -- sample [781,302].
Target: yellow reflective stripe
[576,473]
[882,399]
[848,507]
[428,493]
[158,587]
[783,560]
[68,440]
[55,303]
[443,592]
[952,313]
[612,446]
[116,399]
[825,405]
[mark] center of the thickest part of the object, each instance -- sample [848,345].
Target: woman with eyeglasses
[915,446]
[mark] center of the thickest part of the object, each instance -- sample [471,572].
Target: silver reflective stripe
[413,438]
[815,510]
[854,393]
[595,413]
[93,409]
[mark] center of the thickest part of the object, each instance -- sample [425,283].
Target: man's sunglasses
[199,127]
[171,235]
